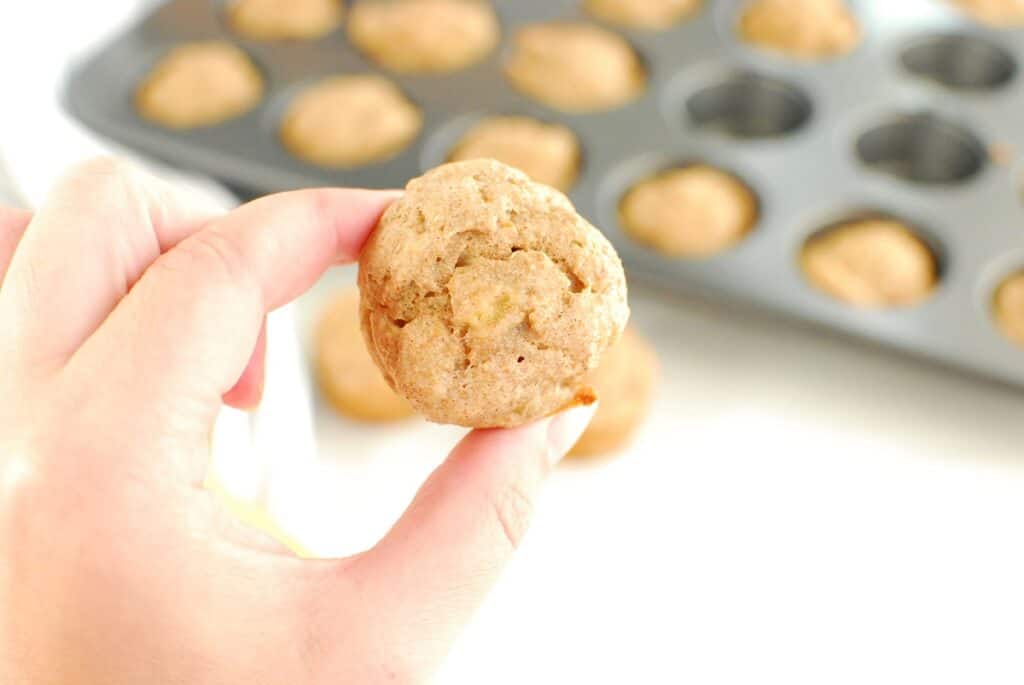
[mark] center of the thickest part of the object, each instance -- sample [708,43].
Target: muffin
[1009,308]
[574,67]
[547,153]
[346,374]
[486,299]
[284,19]
[650,15]
[873,263]
[200,84]
[994,12]
[424,36]
[803,29]
[696,211]
[348,121]
[624,383]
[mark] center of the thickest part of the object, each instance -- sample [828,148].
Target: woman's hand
[127,316]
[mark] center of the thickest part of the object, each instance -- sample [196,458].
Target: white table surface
[799,509]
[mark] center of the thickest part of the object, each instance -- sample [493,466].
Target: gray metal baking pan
[920,122]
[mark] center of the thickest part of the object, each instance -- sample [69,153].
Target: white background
[800,509]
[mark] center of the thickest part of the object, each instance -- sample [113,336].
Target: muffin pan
[920,122]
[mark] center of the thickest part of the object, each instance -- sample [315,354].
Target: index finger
[186,331]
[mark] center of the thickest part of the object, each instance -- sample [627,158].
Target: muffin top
[200,84]
[575,67]
[804,29]
[875,263]
[486,298]
[547,153]
[424,36]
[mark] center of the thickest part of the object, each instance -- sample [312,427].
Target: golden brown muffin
[696,211]
[424,36]
[874,263]
[624,383]
[1009,307]
[994,12]
[644,14]
[284,19]
[486,298]
[547,153]
[346,121]
[575,67]
[805,29]
[200,84]
[348,378]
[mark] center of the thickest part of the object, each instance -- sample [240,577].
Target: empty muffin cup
[922,148]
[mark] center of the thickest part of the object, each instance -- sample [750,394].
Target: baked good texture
[574,67]
[994,12]
[200,84]
[804,29]
[347,121]
[486,298]
[624,383]
[547,153]
[694,211]
[644,14]
[284,19]
[424,36]
[347,376]
[875,263]
[1009,307]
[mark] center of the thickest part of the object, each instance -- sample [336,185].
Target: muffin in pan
[872,263]
[198,85]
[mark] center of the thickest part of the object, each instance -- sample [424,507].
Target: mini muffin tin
[921,122]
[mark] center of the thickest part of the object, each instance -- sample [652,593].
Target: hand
[127,316]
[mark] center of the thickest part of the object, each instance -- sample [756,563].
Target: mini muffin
[424,36]
[624,384]
[804,29]
[284,19]
[200,84]
[643,14]
[874,263]
[547,153]
[994,12]
[696,211]
[346,121]
[1009,308]
[348,378]
[486,299]
[575,67]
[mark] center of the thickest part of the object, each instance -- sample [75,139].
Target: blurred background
[819,207]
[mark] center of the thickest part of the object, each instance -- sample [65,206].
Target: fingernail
[565,429]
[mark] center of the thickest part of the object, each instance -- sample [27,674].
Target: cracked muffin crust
[1009,308]
[547,153]
[200,84]
[284,19]
[624,383]
[424,36]
[486,298]
[804,29]
[575,67]
[643,14]
[874,263]
[345,371]
[345,121]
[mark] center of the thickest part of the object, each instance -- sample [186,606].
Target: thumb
[428,575]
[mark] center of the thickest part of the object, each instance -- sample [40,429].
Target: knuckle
[103,173]
[209,255]
[513,509]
